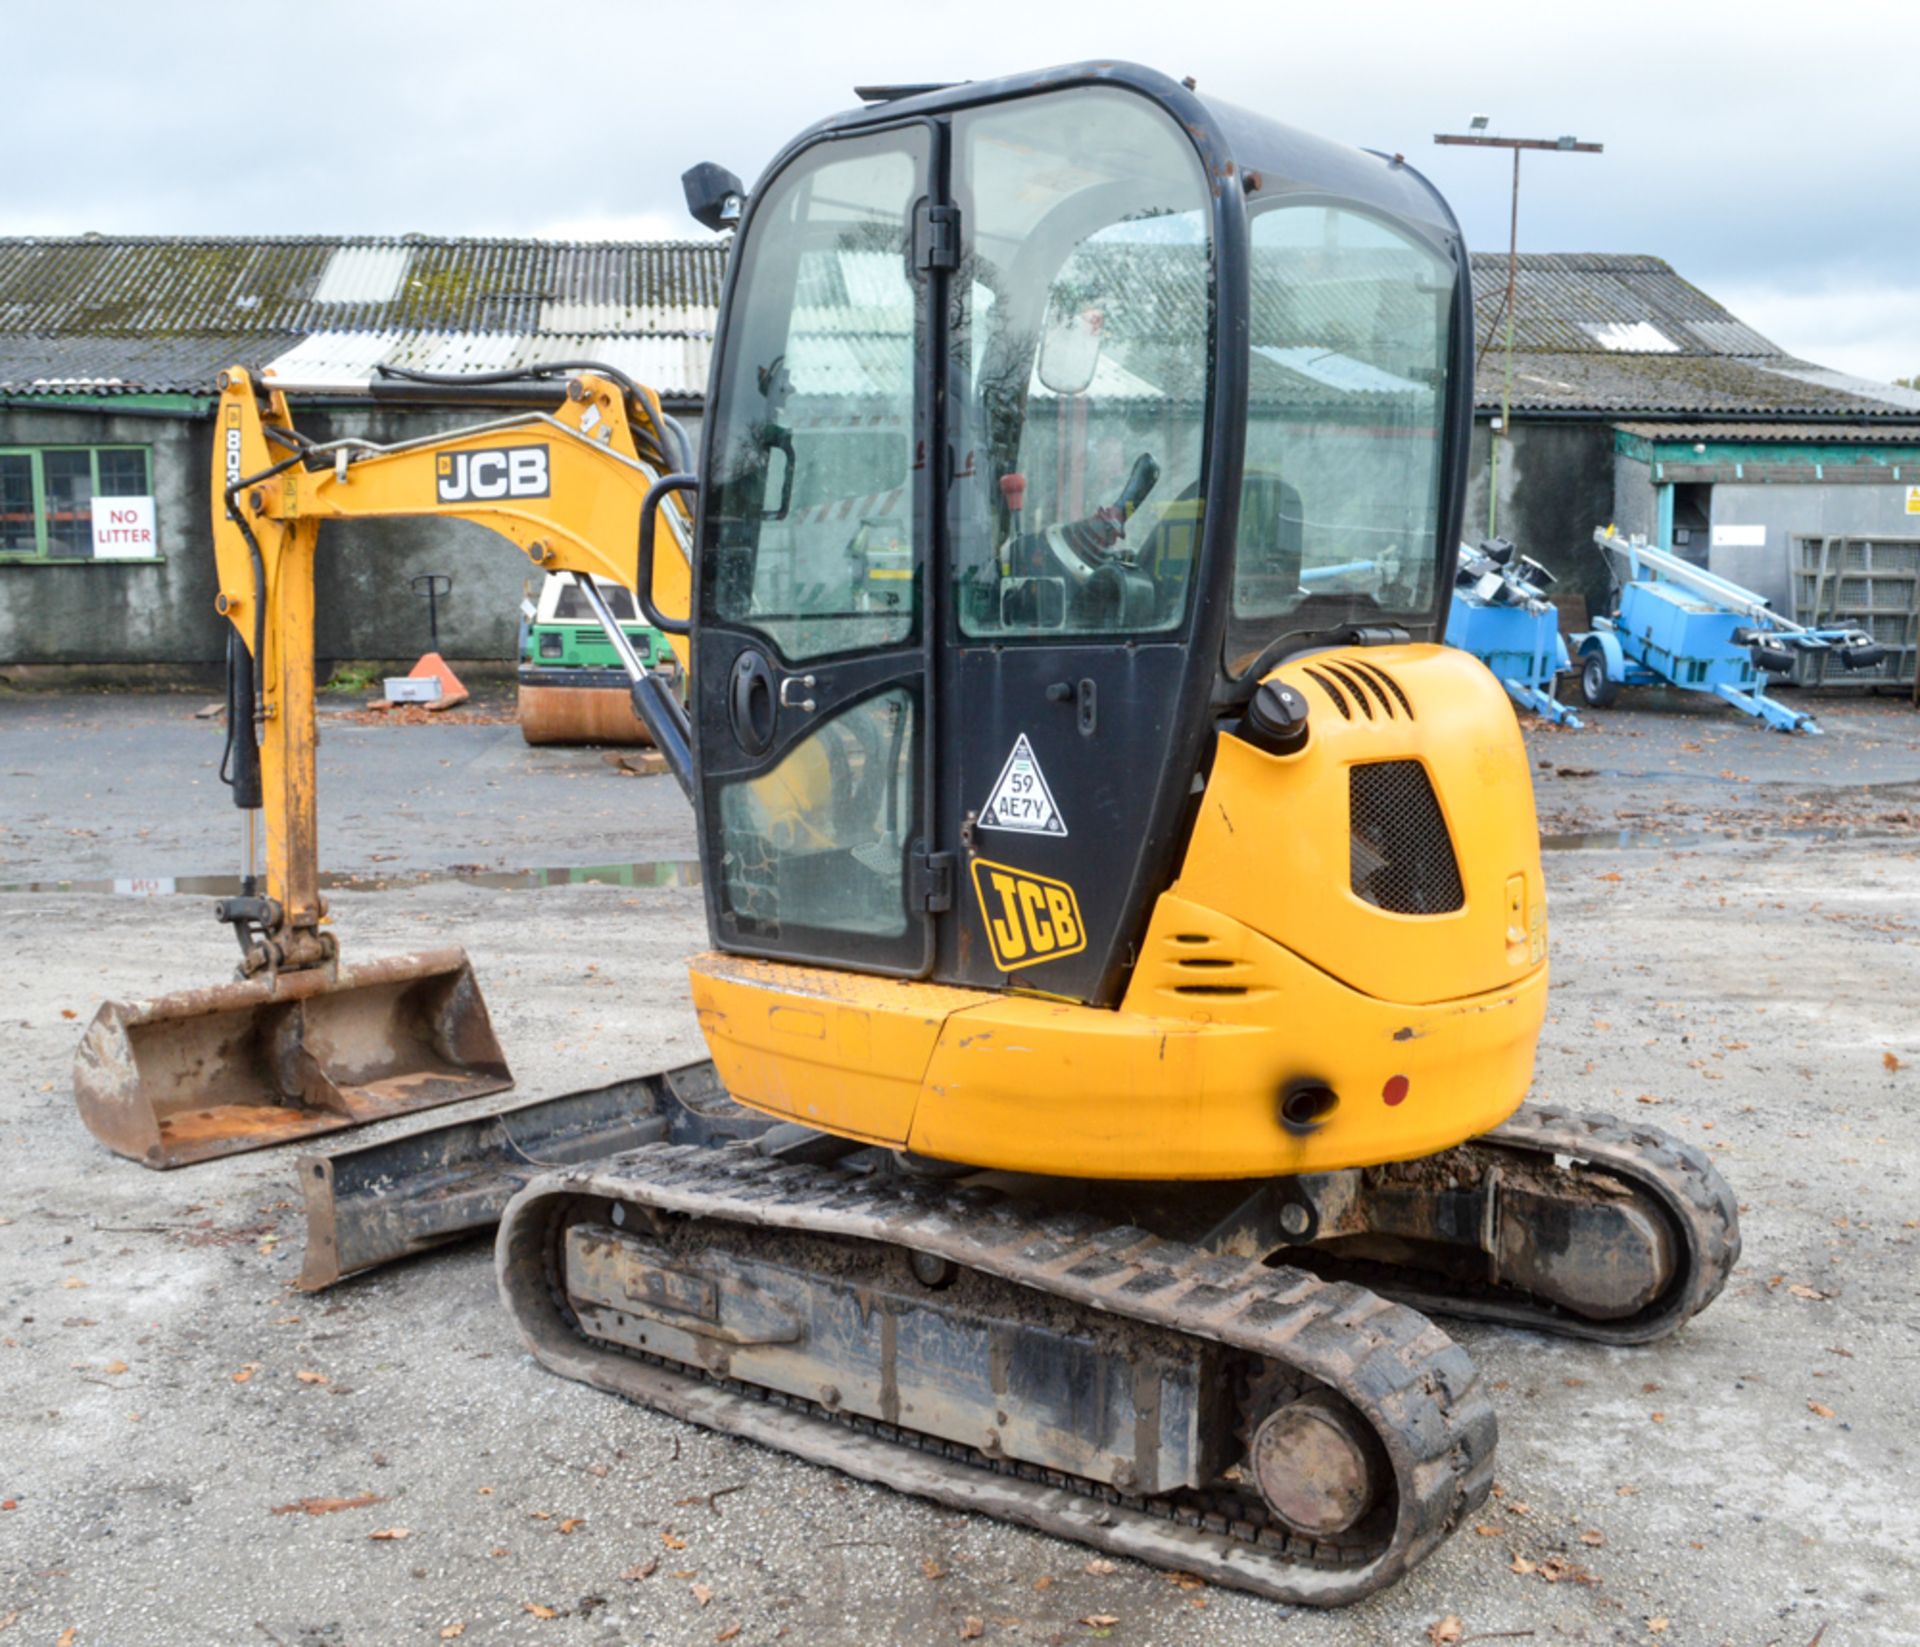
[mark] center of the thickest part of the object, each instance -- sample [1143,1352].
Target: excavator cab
[1049,419]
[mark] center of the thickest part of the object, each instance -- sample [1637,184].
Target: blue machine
[1676,624]
[1501,614]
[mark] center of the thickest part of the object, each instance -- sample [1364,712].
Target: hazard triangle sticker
[1021,800]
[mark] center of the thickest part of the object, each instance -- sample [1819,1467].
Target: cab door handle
[788,701]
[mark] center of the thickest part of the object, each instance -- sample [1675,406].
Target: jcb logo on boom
[1029,918]
[502,472]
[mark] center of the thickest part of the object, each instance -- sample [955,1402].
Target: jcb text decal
[502,472]
[1029,917]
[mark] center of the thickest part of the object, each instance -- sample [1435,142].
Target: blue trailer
[1502,615]
[1677,624]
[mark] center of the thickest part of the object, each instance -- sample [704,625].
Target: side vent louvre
[1358,684]
[1401,855]
[1332,691]
[1373,672]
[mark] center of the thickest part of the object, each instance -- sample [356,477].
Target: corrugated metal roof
[1794,434]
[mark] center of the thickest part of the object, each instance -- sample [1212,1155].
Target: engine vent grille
[1365,687]
[1401,854]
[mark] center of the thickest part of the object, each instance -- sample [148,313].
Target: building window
[47,493]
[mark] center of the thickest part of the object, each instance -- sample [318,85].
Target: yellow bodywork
[1261,970]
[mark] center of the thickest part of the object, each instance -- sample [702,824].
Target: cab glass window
[810,513]
[1080,325]
[1340,506]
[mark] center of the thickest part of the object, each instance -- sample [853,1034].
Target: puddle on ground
[659,872]
[1632,840]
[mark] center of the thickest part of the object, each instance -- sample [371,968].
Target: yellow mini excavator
[1128,933]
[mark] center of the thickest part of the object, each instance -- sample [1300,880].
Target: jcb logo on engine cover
[1029,917]
[502,472]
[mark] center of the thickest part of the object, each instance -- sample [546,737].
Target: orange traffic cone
[434,667]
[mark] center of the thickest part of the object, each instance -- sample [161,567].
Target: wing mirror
[715,195]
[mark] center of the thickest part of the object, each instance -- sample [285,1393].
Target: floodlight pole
[1480,140]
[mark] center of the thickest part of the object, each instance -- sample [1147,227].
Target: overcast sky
[1772,154]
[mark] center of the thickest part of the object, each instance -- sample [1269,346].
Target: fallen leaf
[390,1535]
[114,1368]
[643,1569]
[73,1283]
[1625,1492]
[306,1377]
[1658,1418]
[538,1611]
[1044,1582]
[973,1629]
[931,1568]
[72,1630]
[1487,1529]
[1442,1632]
[1887,1058]
[1521,1565]
[326,1506]
[1100,1621]
[1655,1626]
[68,1012]
[1186,1581]
[1800,1291]
[673,1541]
[1099,1567]
[573,1523]
[703,1593]
[246,1372]
[728,1633]
[1819,1409]
[453,1632]
[1594,1537]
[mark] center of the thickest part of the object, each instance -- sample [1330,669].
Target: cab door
[810,675]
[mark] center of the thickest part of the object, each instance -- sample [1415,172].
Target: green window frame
[41,515]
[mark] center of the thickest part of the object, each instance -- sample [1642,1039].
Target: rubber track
[1417,1388]
[1700,1209]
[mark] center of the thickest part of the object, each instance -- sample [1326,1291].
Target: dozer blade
[565,714]
[209,1072]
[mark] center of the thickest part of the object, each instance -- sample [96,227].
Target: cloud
[620,226]
[1867,328]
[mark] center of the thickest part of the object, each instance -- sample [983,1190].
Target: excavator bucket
[208,1072]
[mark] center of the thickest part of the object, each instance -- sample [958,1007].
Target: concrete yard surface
[192,1452]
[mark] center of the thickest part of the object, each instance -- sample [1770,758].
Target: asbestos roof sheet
[106,287]
[1594,333]
[1624,384]
[1785,434]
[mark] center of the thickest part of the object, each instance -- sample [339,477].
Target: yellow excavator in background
[1128,929]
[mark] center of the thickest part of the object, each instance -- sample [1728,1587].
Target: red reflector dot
[1396,1089]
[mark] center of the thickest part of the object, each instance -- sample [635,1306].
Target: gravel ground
[1736,974]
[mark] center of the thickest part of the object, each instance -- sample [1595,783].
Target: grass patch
[353,677]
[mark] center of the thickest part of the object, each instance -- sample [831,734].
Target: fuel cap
[1276,720]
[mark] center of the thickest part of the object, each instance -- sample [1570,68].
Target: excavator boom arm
[569,487]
